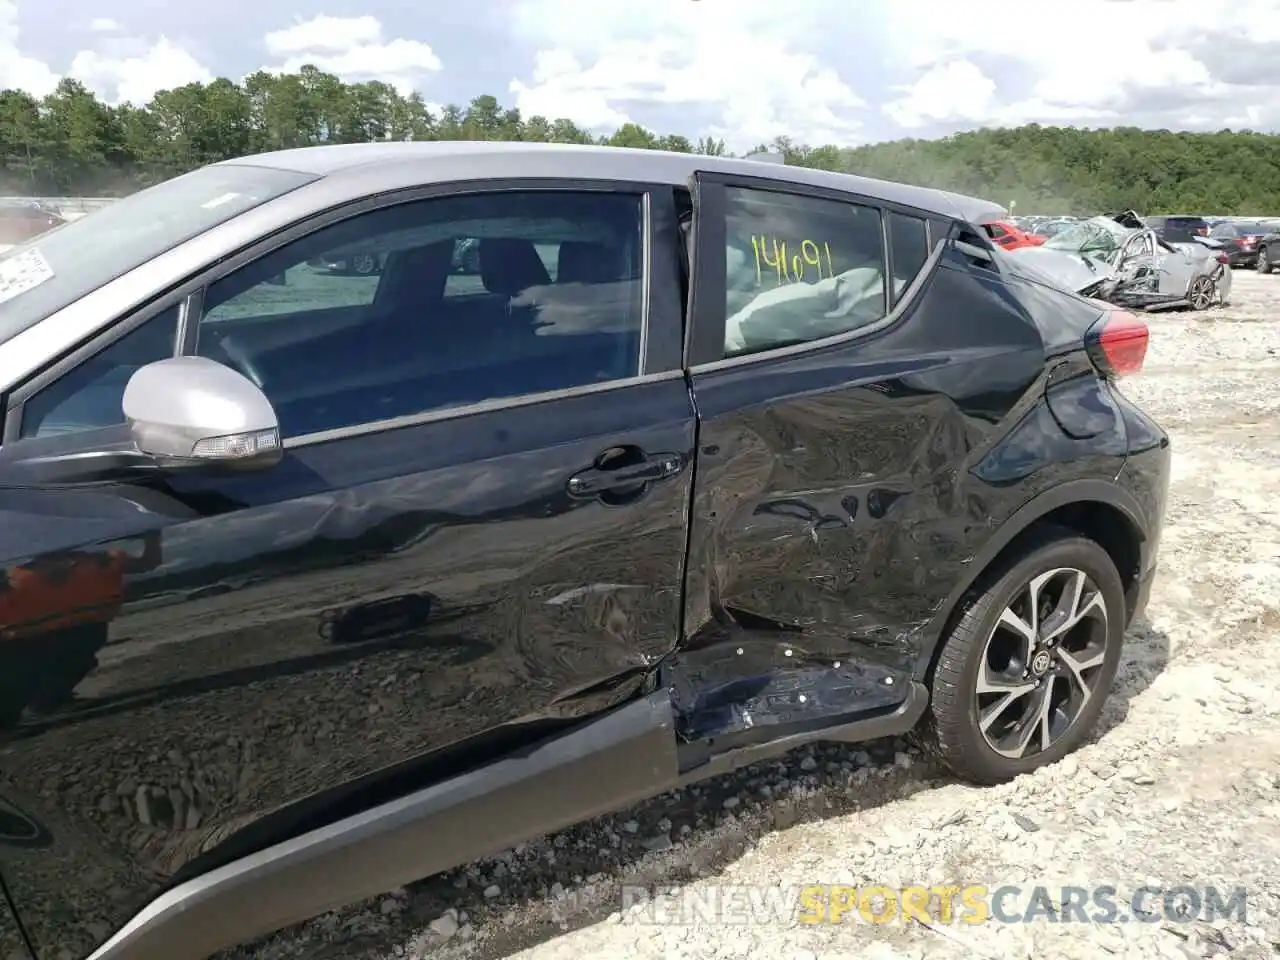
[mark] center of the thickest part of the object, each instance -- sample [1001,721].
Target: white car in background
[1123,261]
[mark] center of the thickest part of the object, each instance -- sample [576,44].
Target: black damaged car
[314,585]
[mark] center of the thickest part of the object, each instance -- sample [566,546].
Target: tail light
[1118,343]
[1223,258]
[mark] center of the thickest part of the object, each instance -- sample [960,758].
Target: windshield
[56,268]
[1099,238]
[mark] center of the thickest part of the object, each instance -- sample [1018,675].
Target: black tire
[1263,263]
[952,728]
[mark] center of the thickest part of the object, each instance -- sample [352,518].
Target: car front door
[837,414]
[1174,268]
[476,536]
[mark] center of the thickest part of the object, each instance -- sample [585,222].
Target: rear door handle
[593,482]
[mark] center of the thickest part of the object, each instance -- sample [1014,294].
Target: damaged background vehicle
[1123,261]
[712,458]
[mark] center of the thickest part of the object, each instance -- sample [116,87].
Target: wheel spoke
[1026,632]
[1011,692]
[1032,727]
[1077,663]
[1073,607]
[993,681]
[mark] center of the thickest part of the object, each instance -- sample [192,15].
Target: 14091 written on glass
[809,260]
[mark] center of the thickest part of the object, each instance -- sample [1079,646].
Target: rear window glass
[55,269]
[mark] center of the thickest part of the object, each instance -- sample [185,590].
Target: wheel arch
[1097,509]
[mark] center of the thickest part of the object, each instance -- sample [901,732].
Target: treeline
[70,142]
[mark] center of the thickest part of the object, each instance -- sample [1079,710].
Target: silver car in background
[1123,261]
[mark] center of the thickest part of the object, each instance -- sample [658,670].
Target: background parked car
[1240,239]
[1054,226]
[1122,260]
[1267,248]
[1178,228]
[1008,236]
[22,220]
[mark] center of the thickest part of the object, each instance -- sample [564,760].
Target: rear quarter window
[908,250]
[799,269]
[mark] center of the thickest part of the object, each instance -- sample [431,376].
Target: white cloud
[16,70]
[354,48]
[743,63]
[1087,62]
[821,71]
[133,69]
[137,77]
[323,33]
[752,68]
[118,69]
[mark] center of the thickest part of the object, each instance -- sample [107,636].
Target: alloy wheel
[1202,290]
[1041,662]
[363,264]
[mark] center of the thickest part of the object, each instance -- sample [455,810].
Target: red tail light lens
[1118,343]
[1223,258]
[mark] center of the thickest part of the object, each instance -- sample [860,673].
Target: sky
[819,71]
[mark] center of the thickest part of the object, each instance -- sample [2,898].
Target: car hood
[1070,270]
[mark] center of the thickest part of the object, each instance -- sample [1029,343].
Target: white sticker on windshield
[21,272]
[219,201]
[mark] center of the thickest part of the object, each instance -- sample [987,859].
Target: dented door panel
[833,506]
[1175,270]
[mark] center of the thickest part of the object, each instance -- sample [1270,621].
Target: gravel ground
[1180,789]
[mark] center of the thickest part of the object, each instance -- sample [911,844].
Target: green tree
[71,142]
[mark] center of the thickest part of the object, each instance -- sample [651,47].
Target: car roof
[593,162]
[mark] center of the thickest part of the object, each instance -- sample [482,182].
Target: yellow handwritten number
[771,254]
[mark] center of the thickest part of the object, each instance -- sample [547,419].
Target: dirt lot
[1181,789]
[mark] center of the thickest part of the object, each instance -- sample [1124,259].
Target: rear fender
[1062,495]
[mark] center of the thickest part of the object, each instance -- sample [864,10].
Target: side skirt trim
[608,764]
[697,764]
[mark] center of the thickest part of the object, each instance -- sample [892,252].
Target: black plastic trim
[697,765]
[85,351]
[704,334]
[607,764]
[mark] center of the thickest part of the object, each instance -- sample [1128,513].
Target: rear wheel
[1023,675]
[1202,293]
[364,264]
[1263,263]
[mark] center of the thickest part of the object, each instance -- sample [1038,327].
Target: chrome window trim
[646,278]
[473,409]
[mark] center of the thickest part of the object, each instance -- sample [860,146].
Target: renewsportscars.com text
[946,904]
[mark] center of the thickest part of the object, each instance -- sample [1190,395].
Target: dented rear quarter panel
[843,494]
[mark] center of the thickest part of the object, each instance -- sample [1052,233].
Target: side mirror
[195,411]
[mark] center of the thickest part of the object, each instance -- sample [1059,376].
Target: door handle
[593,482]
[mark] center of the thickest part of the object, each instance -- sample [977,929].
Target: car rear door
[838,414]
[477,535]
